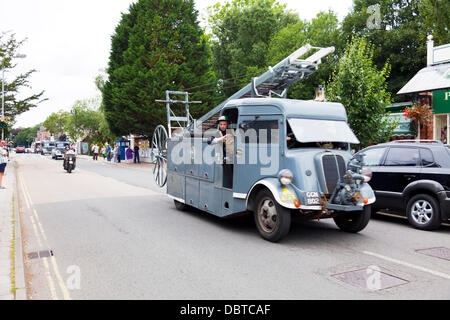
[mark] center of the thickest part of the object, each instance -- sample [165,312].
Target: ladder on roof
[277,79]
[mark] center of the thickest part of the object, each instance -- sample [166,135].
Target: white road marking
[47,268]
[410,265]
[61,283]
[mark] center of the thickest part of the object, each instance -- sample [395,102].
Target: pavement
[127,164]
[12,274]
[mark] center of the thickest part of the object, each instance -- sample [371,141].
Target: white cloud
[69,42]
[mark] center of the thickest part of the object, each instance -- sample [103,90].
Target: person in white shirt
[3,161]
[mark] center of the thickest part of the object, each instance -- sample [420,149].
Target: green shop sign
[441,101]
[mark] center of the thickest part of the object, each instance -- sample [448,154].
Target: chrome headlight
[285,176]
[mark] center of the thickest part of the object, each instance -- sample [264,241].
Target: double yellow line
[42,240]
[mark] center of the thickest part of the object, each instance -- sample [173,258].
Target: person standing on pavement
[136,154]
[3,161]
[108,152]
[118,153]
[129,154]
[103,152]
[95,152]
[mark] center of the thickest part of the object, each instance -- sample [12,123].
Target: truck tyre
[180,206]
[353,222]
[423,212]
[272,220]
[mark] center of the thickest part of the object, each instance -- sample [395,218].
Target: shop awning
[429,79]
[404,125]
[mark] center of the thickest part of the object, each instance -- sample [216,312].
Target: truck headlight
[285,176]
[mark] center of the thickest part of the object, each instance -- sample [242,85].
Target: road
[115,235]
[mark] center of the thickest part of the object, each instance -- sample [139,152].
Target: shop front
[441,115]
[431,86]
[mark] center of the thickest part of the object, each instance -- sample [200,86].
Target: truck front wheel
[353,222]
[272,220]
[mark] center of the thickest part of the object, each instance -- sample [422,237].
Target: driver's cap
[223,118]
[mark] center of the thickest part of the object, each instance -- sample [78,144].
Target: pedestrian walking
[103,152]
[136,154]
[108,152]
[129,154]
[3,161]
[118,153]
[96,152]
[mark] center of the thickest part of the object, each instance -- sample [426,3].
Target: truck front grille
[333,169]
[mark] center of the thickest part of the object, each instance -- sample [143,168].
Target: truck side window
[261,131]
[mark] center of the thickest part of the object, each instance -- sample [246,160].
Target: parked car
[413,179]
[20,149]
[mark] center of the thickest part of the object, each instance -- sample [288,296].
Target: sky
[68,43]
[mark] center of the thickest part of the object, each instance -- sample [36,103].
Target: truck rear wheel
[353,222]
[272,220]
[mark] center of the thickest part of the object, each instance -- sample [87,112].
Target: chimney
[430,49]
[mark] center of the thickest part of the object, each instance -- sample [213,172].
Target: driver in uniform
[227,140]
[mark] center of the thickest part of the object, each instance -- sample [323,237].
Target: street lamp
[21,56]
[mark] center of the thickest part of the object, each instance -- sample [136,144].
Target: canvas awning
[429,79]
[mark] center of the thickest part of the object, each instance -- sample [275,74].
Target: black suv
[413,178]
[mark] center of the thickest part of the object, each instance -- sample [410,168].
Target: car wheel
[423,212]
[353,222]
[181,206]
[272,220]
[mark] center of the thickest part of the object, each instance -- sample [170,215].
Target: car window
[427,157]
[402,157]
[373,156]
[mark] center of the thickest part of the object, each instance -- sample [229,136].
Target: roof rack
[417,141]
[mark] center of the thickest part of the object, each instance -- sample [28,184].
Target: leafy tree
[241,34]
[15,105]
[322,31]
[361,88]
[397,34]
[26,136]
[437,19]
[157,46]
[57,123]
[85,119]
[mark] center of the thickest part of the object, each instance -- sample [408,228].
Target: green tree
[157,46]
[437,19]
[322,31]
[15,102]
[361,88]
[241,34]
[26,136]
[397,34]
[57,123]
[85,120]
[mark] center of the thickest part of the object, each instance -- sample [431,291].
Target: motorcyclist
[69,151]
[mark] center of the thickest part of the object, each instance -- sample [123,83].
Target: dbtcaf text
[245,309]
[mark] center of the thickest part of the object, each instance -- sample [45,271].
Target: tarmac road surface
[108,232]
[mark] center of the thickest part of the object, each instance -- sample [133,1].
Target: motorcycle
[69,161]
